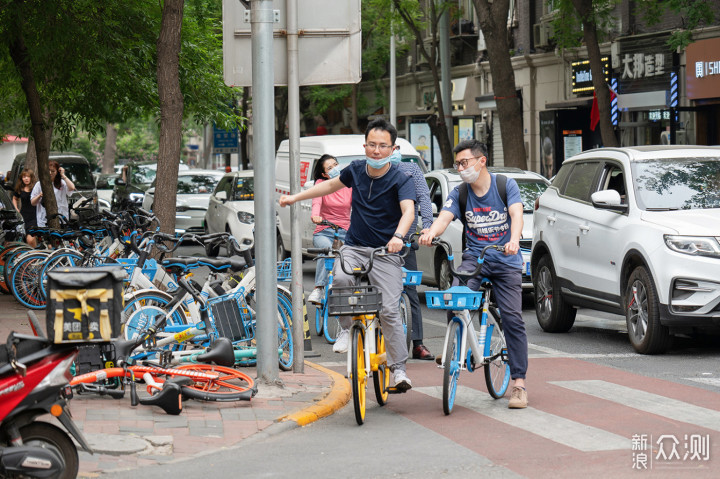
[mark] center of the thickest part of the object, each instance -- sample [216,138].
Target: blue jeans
[324,239]
[507,288]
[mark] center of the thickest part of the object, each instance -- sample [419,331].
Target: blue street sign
[225,141]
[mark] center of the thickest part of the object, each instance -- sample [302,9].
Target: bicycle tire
[5,254]
[319,318]
[358,378]
[331,327]
[158,299]
[451,368]
[285,340]
[231,385]
[10,258]
[497,369]
[24,285]
[58,259]
[406,319]
[381,377]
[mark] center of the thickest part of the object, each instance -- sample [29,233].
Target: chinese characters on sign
[668,451]
[641,65]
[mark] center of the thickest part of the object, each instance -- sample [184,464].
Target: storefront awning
[647,100]
[572,103]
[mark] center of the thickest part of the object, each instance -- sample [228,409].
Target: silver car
[193,195]
[433,262]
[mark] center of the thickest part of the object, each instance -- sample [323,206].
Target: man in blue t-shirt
[383,209]
[491,222]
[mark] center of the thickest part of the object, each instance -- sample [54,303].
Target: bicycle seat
[180,265]
[123,347]
[169,398]
[220,352]
[221,264]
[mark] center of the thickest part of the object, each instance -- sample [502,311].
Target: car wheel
[646,333]
[444,279]
[553,314]
[280,248]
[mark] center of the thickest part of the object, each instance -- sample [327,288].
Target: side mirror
[608,200]
[221,196]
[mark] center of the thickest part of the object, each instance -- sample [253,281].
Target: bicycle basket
[411,278]
[149,268]
[455,298]
[354,300]
[284,270]
[232,317]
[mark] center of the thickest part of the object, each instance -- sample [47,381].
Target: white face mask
[469,174]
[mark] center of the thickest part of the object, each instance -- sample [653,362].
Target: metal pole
[393,95]
[445,85]
[295,232]
[261,20]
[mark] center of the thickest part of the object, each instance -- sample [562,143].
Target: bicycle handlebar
[465,275]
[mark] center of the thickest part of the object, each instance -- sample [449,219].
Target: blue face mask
[334,173]
[396,157]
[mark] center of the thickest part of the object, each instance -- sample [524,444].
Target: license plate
[527,268]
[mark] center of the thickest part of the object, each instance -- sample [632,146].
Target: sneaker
[341,343]
[518,398]
[317,295]
[402,382]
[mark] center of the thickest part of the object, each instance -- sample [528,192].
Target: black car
[130,188]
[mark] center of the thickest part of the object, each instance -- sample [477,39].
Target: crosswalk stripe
[646,402]
[555,428]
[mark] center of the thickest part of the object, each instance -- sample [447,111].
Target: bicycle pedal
[397,390]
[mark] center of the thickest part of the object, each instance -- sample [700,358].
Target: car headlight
[245,217]
[694,245]
[136,197]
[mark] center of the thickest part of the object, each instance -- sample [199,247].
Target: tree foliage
[692,13]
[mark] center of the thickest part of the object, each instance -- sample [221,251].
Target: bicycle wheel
[381,377]
[451,370]
[319,318]
[10,258]
[58,259]
[152,303]
[497,370]
[358,379]
[331,327]
[24,282]
[406,319]
[285,341]
[230,385]
[5,255]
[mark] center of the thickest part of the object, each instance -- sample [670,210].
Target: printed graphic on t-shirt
[486,224]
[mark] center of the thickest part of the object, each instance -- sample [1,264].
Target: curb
[336,399]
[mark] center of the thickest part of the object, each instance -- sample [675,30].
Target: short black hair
[478,148]
[384,125]
[319,169]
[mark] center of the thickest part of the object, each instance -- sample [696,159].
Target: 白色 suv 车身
[632,231]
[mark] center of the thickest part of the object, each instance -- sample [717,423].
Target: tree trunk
[111,134]
[607,131]
[354,110]
[171,113]
[40,127]
[493,22]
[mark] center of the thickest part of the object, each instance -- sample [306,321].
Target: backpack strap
[501,183]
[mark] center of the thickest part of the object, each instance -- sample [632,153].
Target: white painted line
[710,381]
[646,402]
[555,428]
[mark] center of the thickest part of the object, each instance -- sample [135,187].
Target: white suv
[633,231]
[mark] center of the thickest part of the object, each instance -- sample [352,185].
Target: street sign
[329,42]
[225,141]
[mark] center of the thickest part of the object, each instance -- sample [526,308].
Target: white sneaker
[402,382]
[341,343]
[316,295]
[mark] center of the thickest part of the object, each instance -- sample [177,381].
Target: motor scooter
[34,381]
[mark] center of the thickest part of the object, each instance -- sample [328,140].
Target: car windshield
[677,183]
[244,190]
[196,184]
[530,189]
[80,175]
[143,175]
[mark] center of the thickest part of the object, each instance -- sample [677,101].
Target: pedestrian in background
[334,208]
[62,186]
[21,200]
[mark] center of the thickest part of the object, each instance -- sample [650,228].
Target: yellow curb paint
[335,399]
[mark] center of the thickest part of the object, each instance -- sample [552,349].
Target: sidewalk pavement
[125,437]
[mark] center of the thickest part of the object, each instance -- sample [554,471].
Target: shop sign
[582,76]
[643,65]
[703,69]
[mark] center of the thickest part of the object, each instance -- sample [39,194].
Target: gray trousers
[386,274]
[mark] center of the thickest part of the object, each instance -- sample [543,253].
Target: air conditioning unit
[481,131]
[541,34]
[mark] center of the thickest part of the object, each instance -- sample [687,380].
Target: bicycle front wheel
[319,310]
[497,370]
[451,371]
[331,326]
[284,330]
[143,309]
[358,378]
[381,377]
[230,385]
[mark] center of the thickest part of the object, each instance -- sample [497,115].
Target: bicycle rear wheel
[358,379]
[451,371]
[319,318]
[24,283]
[285,341]
[497,369]
[331,326]
[230,385]
[381,377]
[406,319]
[153,304]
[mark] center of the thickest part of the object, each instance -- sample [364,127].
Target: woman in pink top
[334,208]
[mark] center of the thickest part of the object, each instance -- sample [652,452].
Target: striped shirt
[422,193]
